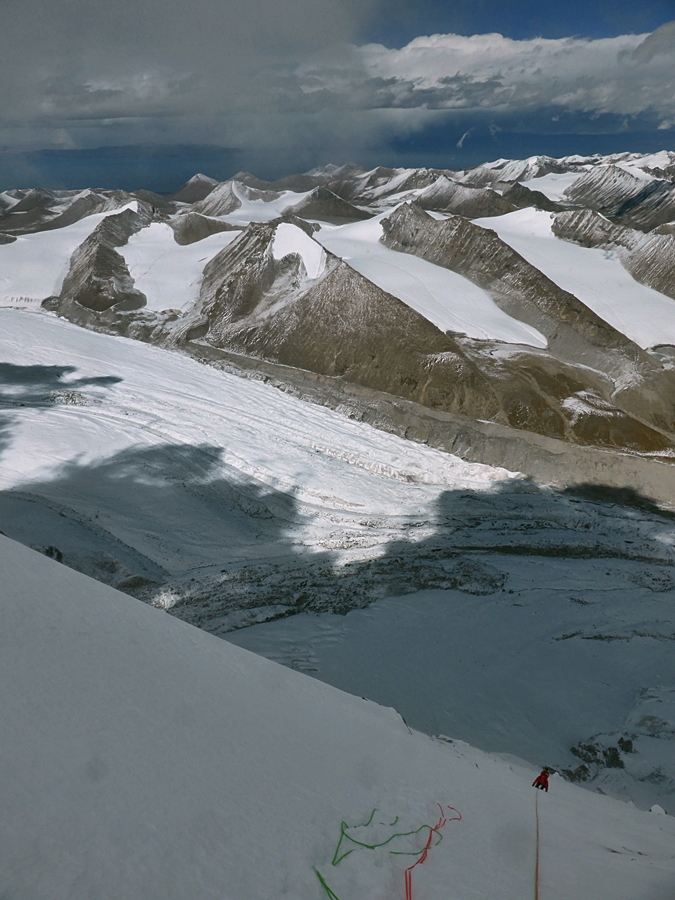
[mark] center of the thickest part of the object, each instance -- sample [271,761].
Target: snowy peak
[510,170]
[219,201]
[445,195]
[195,189]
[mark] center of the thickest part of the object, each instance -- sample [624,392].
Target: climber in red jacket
[541,781]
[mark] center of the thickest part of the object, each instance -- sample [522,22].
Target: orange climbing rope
[443,820]
[536,865]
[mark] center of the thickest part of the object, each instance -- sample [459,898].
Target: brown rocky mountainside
[590,385]
[636,383]
[342,324]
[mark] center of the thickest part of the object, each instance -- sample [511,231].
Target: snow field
[524,670]
[554,185]
[291,239]
[260,210]
[33,267]
[596,277]
[124,451]
[448,300]
[170,275]
[144,758]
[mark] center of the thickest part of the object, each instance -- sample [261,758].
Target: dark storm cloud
[69,63]
[290,80]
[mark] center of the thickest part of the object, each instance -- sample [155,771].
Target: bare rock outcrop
[591,229]
[220,201]
[628,199]
[652,262]
[98,278]
[196,189]
[653,206]
[192,227]
[604,188]
[227,196]
[518,287]
[43,210]
[158,203]
[522,197]
[326,206]
[576,336]
[650,258]
[341,324]
[445,195]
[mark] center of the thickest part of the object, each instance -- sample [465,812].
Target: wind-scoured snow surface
[446,299]
[34,265]
[169,274]
[594,276]
[144,758]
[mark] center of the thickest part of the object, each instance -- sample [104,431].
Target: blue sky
[143,93]
[519,19]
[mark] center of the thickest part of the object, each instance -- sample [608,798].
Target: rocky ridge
[591,385]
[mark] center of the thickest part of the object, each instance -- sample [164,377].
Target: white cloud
[628,75]
[460,142]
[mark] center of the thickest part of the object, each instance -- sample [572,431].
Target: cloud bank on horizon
[294,79]
[630,75]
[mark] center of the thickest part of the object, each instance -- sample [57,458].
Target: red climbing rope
[536,865]
[443,820]
[422,854]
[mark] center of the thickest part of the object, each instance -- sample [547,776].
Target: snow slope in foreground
[446,299]
[34,265]
[144,758]
[169,274]
[596,277]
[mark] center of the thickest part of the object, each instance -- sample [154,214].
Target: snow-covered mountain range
[535,294]
[440,404]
